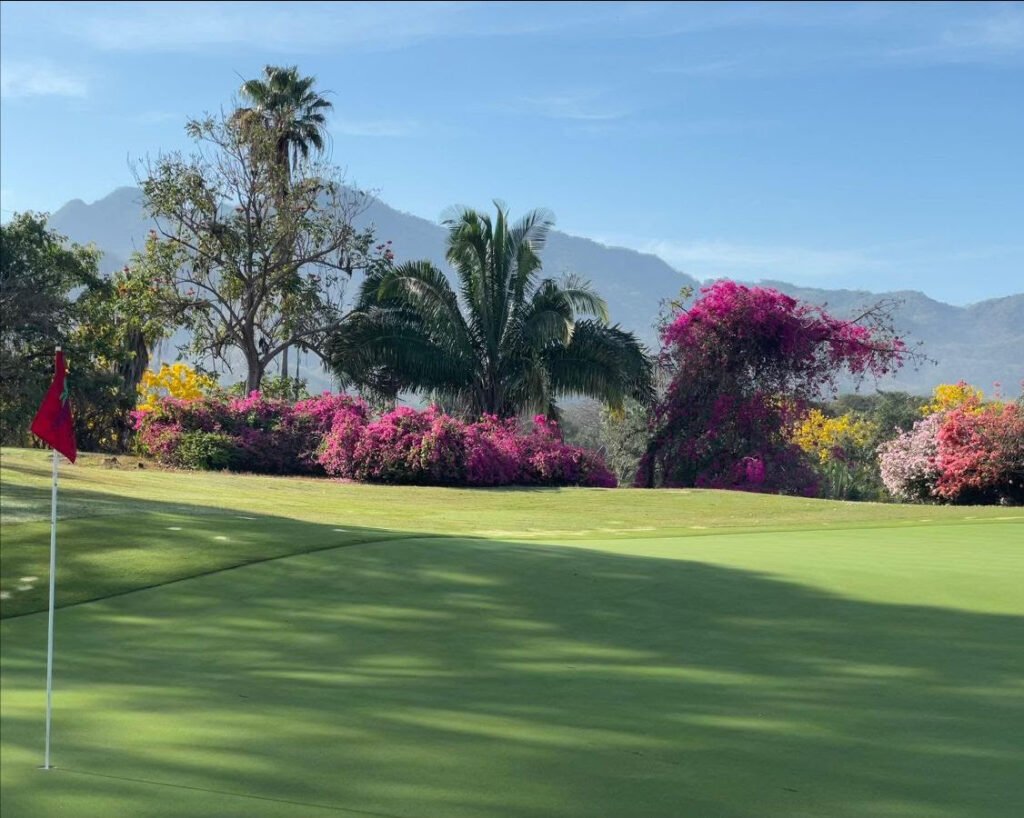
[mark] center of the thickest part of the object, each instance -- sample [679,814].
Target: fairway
[248,646]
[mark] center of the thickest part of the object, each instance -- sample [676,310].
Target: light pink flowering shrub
[908,462]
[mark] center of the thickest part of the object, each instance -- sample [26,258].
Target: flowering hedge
[334,434]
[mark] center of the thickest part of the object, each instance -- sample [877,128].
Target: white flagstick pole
[53,585]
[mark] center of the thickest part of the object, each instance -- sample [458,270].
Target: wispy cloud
[994,37]
[304,27]
[40,79]
[713,258]
[299,27]
[708,68]
[375,127]
[582,106]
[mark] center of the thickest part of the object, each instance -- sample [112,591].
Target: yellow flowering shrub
[825,437]
[949,396]
[177,380]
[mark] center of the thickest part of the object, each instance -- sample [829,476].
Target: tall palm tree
[508,341]
[286,105]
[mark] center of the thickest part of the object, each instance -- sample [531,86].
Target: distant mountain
[981,343]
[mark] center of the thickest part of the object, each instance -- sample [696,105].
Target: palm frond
[602,362]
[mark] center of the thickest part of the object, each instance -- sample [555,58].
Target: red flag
[53,423]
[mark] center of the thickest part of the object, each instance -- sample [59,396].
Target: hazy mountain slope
[981,343]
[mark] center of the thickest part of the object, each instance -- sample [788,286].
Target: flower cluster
[432,448]
[908,461]
[177,380]
[949,396]
[829,439]
[334,434]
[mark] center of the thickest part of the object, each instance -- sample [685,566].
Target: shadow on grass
[108,545]
[445,677]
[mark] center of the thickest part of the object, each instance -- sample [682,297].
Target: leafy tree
[508,341]
[745,363]
[52,294]
[890,412]
[254,278]
[39,277]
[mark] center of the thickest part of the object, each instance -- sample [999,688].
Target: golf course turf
[251,646]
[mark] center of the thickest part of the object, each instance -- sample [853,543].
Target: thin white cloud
[713,258]
[709,68]
[302,27]
[375,128]
[40,79]
[995,37]
[585,106]
[292,27]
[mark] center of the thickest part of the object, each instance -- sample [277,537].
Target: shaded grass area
[725,675]
[127,528]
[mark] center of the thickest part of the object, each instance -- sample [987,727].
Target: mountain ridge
[974,342]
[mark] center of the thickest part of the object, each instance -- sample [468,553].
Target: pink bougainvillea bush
[334,434]
[745,362]
[432,448]
[254,433]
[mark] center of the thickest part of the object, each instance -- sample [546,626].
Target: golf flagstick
[54,425]
[49,623]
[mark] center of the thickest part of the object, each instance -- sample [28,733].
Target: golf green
[827,661]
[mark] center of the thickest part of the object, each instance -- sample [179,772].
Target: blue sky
[837,145]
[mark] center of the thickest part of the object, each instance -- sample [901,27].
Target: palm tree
[285,105]
[509,341]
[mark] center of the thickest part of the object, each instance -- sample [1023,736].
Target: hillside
[980,343]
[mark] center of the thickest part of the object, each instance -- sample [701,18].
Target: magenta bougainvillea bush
[335,434]
[254,433]
[432,448]
[745,362]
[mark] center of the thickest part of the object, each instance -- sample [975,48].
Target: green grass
[506,653]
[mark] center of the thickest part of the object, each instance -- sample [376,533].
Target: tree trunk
[254,366]
[254,377]
[131,371]
[284,363]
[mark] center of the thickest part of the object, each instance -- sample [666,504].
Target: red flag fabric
[53,423]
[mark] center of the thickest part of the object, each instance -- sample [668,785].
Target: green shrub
[205,451]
